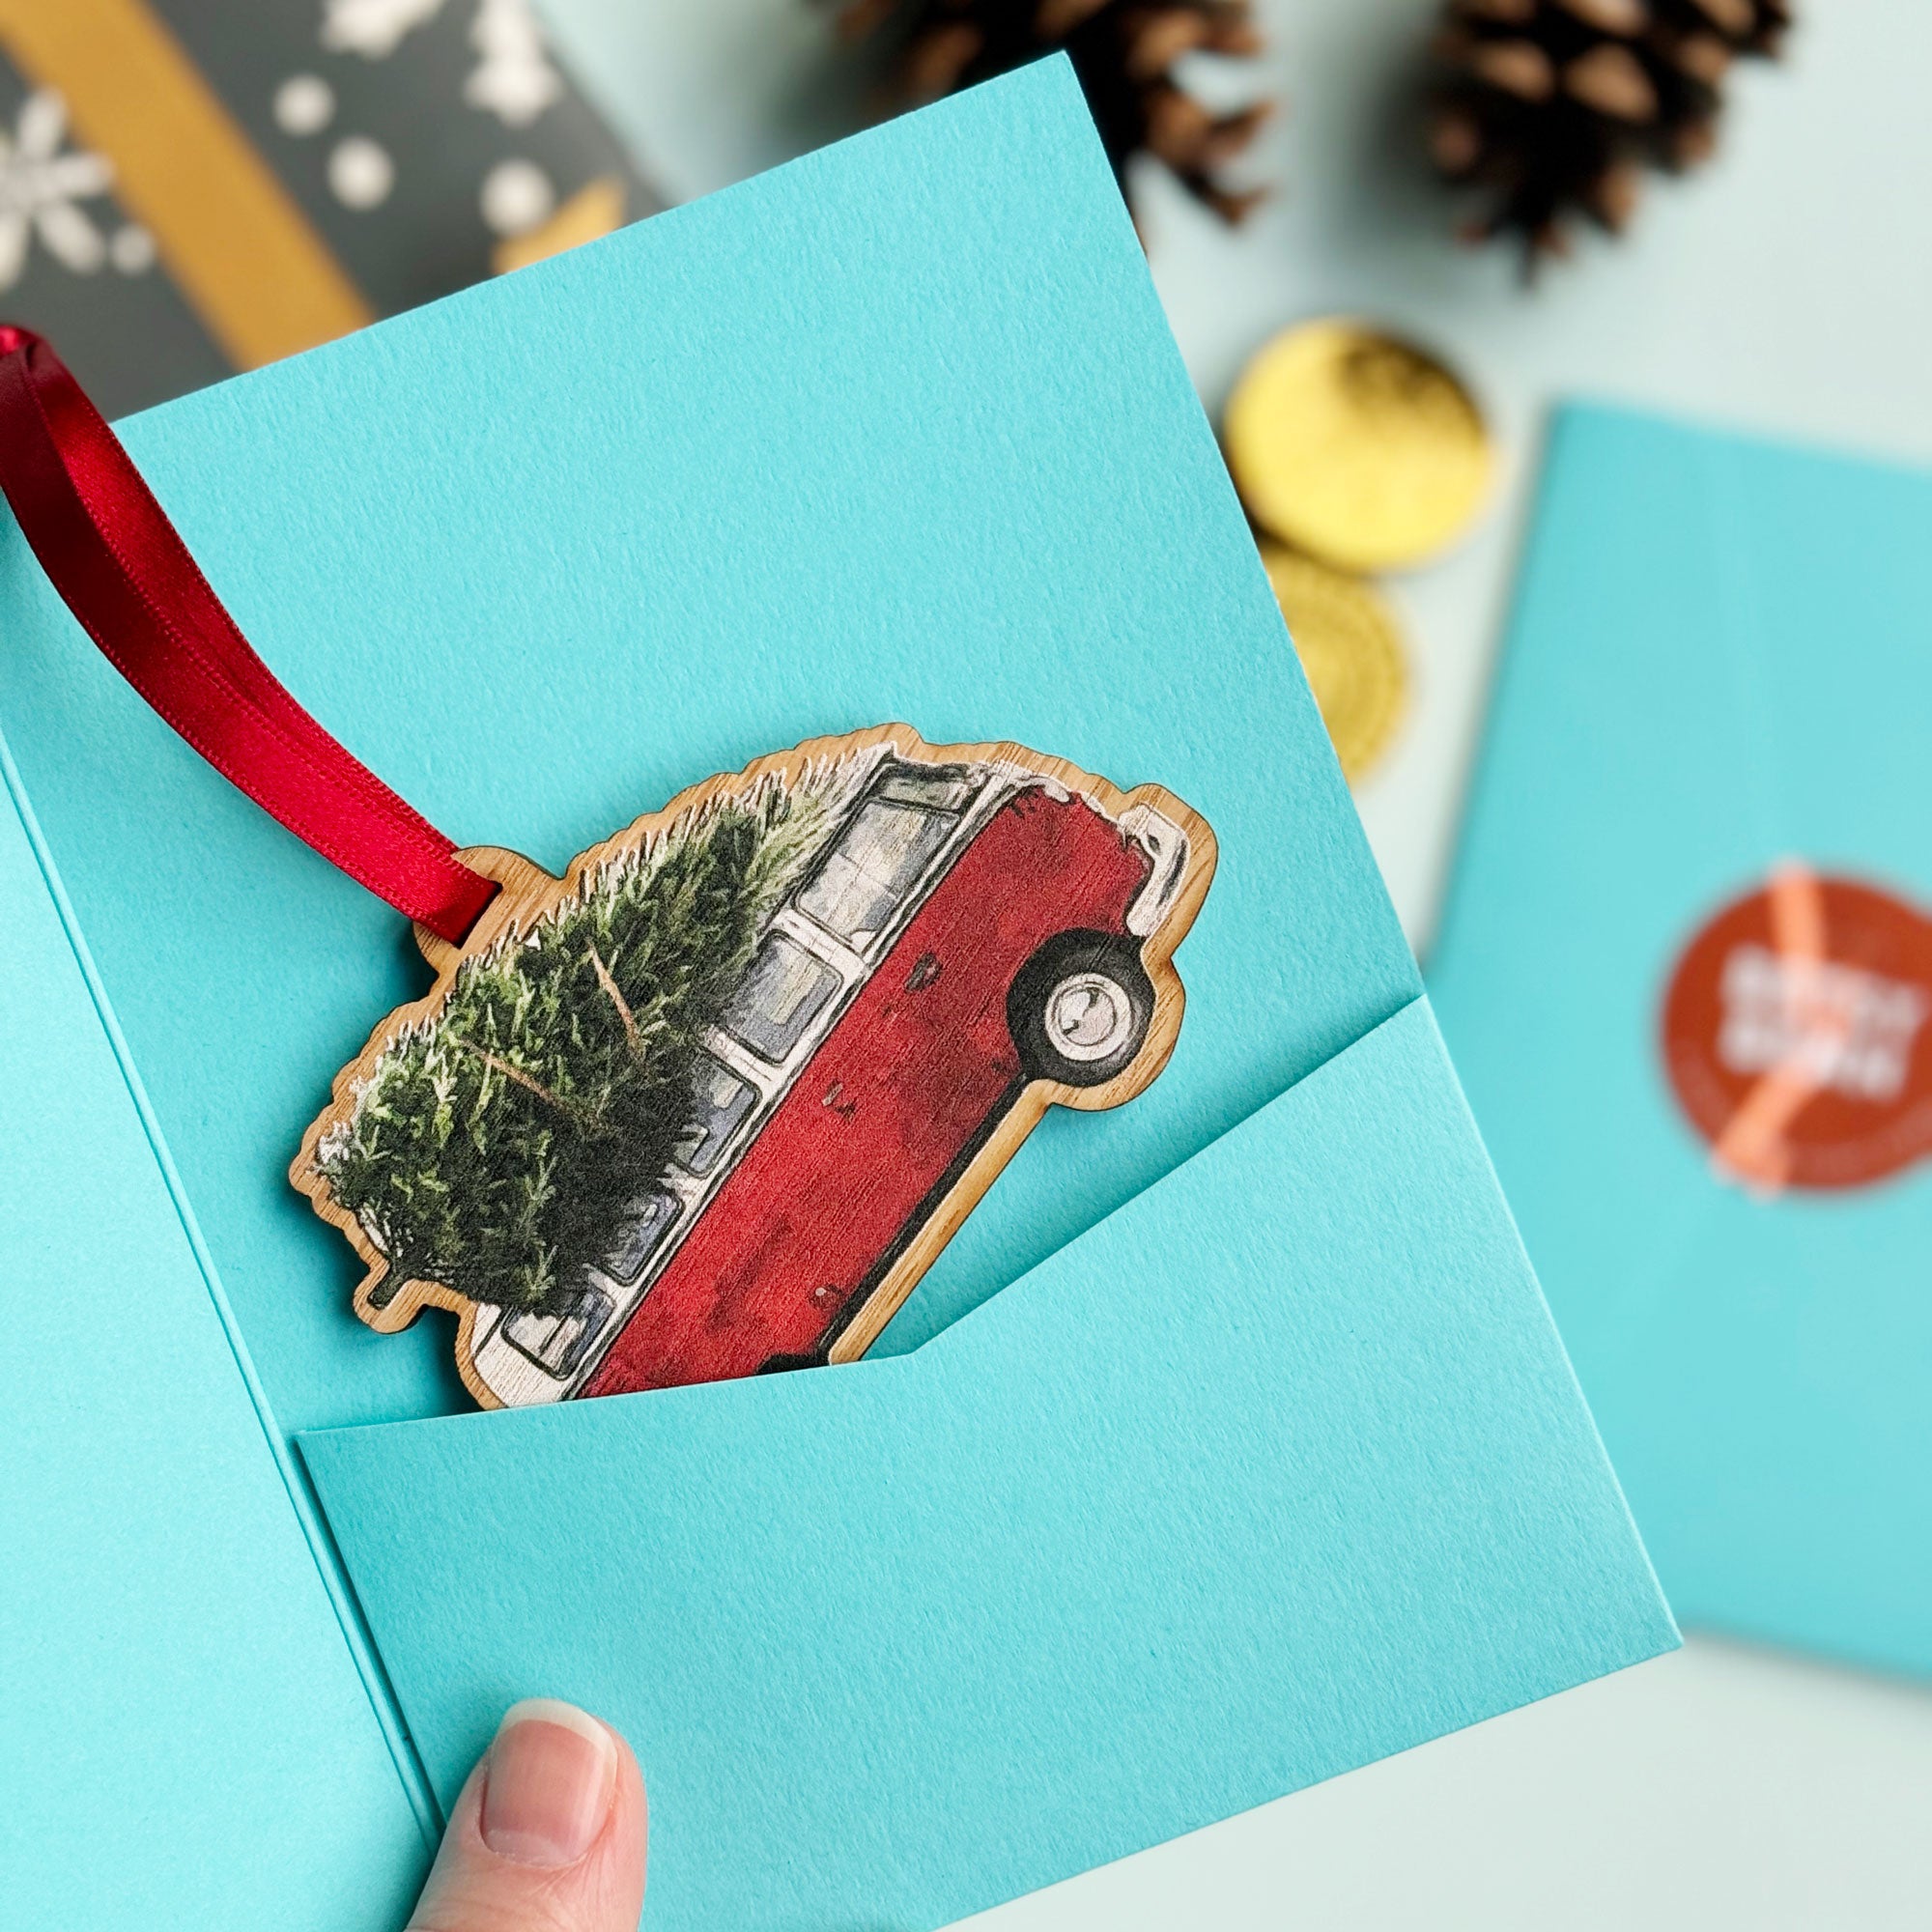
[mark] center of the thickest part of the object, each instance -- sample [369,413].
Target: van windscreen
[876,861]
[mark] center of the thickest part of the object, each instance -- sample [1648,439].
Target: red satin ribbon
[125,573]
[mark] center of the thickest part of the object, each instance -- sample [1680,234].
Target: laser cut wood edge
[528,893]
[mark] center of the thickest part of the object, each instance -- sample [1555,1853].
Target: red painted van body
[882,1120]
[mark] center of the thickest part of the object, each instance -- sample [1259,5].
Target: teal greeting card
[1229,1443]
[1687,973]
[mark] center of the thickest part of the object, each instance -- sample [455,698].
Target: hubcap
[1089,1017]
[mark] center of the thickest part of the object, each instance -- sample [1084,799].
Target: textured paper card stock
[897,431]
[1278,1469]
[187,1741]
[1718,665]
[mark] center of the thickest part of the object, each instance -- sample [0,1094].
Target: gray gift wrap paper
[190,187]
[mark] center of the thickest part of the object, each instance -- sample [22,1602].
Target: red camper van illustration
[979,933]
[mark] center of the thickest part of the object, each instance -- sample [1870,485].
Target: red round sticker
[1796,1034]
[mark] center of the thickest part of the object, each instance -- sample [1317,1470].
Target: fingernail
[547,1790]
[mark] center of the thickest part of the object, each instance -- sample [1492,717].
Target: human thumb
[548,1835]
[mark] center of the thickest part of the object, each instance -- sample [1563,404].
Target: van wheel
[1080,1009]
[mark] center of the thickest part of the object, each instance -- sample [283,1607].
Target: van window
[785,991]
[943,790]
[555,1343]
[643,1230]
[719,1102]
[878,860]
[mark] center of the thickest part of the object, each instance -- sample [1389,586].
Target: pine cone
[1123,52]
[1556,107]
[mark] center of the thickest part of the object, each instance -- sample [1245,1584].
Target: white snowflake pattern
[42,189]
[513,79]
[373,28]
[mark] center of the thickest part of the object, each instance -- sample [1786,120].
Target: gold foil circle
[1355,447]
[1350,648]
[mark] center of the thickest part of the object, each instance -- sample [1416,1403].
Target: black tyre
[1080,1009]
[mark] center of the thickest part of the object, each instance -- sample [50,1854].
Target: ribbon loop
[120,567]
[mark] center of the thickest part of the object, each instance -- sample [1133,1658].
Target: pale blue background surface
[1278,1471]
[896,432]
[186,1741]
[1720,658]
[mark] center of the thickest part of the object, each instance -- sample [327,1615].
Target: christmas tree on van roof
[496,1148]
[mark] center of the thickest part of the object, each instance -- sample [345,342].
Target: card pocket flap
[1276,1470]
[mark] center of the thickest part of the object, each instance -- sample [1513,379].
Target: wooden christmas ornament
[1125,53]
[710,1103]
[1555,107]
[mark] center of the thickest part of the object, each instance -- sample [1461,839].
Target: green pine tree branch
[497,1150]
